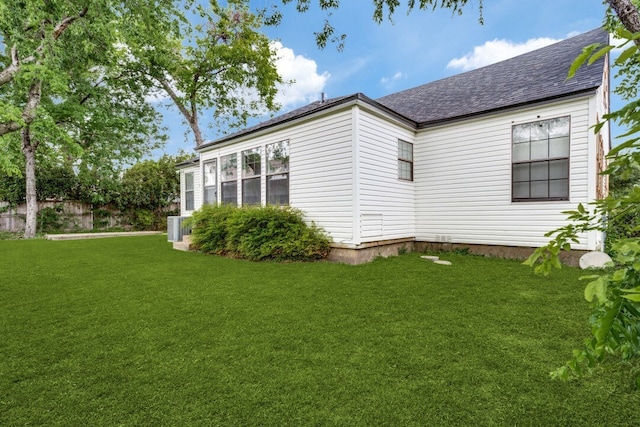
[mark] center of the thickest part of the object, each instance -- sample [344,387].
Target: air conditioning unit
[176,228]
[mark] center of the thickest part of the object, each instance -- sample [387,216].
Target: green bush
[209,225]
[257,233]
[51,218]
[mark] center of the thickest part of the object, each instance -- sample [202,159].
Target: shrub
[257,233]
[209,225]
[51,218]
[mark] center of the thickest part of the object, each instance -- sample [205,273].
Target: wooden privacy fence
[72,215]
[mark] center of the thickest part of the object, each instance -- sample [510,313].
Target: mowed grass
[126,331]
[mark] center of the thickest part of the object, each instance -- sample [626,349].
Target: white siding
[320,169]
[463,180]
[387,204]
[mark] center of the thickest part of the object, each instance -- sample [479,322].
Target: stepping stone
[442,262]
[430,257]
[594,259]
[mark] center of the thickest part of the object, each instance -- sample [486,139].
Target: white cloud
[307,84]
[497,50]
[620,45]
[389,82]
[398,75]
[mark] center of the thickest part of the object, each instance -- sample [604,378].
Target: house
[488,159]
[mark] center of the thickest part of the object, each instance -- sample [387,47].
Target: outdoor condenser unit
[176,229]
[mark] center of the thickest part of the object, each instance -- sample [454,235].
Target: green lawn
[126,331]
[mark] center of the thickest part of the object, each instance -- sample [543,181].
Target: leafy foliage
[76,78]
[382,9]
[147,189]
[151,184]
[223,64]
[53,182]
[210,229]
[257,233]
[615,292]
[51,218]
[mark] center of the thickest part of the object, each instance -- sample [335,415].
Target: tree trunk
[29,111]
[190,116]
[29,151]
[195,127]
[628,14]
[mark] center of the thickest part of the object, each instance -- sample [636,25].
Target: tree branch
[35,94]
[9,127]
[191,117]
[29,111]
[628,14]
[64,24]
[10,71]
[174,97]
[7,74]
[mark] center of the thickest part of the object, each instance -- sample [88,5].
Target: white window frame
[189,193]
[250,175]
[226,178]
[207,186]
[277,168]
[405,160]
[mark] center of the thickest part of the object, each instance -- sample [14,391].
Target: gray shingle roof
[532,77]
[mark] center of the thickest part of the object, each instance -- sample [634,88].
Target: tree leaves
[614,292]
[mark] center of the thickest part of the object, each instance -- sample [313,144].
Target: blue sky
[416,48]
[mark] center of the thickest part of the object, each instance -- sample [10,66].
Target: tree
[66,90]
[149,187]
[76,76]
[223,64]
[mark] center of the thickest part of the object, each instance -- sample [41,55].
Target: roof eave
[188,163]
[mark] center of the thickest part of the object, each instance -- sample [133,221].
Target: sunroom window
[210,182]
[229,179]
[278,173]
[251,171]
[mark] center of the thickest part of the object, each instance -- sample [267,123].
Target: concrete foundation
[367,252]
[509,252]
[360,254]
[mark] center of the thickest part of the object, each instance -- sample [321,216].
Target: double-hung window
[189,193]
[210,182]
[229,179]
[540,160]
[251,171]
[278,173]
[405,160]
